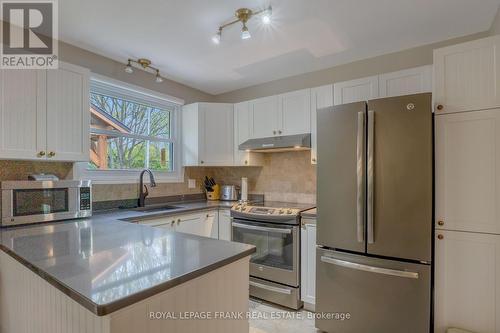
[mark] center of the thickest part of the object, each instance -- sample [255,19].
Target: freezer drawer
[380,295]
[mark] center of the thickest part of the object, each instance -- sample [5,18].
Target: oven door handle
[271,288]
[254,227]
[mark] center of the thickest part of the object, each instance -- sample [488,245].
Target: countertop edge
[106,309]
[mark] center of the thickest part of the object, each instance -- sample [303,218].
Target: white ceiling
[305,35]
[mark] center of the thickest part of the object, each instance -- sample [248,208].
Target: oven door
[277,255]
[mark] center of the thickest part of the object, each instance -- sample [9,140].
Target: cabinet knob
[440,107]
[178,221]
[51,154]
[440,222]
[173,222]
[274,132]
[440,236]
[314,160]
[207,215]
[279,132]
[41,154]
[246,162]
[202,162]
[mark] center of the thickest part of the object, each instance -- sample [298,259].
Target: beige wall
[113,69]
[414,57]
[495,26]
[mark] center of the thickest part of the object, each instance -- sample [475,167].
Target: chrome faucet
[143,189]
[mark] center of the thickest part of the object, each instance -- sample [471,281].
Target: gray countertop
[106,264]
[311,213]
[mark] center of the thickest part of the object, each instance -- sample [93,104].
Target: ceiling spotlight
[243,15]
[145,64]
[128,68]
[158,78]
[216,37]
[266,16]
[245,34]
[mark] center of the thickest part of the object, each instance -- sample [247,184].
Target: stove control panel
[257,210]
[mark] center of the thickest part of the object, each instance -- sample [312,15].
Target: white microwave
[25,202]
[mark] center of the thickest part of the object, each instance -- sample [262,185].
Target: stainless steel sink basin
[154,208]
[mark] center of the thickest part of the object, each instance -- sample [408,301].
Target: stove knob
[281,211]
[289,211]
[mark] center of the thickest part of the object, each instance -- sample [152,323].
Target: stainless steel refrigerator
[375,215]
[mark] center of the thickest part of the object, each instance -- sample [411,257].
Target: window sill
[122,176]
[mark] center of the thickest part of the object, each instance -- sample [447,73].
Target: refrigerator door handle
[372,269]
[360,156]
[369,175]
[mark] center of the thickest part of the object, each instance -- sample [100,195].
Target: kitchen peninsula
[103,275]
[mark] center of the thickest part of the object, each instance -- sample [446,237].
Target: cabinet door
[22,114]
[321,97]
[406,82]
[295,109]
[264,117]
[308,261]
[356,90]
[241,132]
[68,115]
[216,134]
[467,282]
[467,76]
[468,171]
[203,224]
[163,222]
[225,224]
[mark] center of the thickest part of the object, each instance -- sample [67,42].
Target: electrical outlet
[191,183]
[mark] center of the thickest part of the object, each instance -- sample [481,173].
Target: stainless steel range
[274,228]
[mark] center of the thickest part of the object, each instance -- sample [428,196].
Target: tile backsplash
[285,176]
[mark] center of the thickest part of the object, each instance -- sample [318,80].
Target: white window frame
[133,92]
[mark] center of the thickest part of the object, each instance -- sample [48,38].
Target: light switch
[191,183]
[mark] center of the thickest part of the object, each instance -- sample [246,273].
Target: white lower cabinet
[202,224]
[308,262]
[225,224]
[467,283]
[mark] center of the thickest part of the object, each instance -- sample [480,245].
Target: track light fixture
[243,15]
[145,64]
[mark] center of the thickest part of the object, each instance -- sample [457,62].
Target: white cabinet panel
[295,107]
[68,115]
[406,82]
[321,97]
[264,117]
[467,76]
[242,134]
[468,171]
[356,90]
[308,261]
[22,114]
[216,134]
[467,290]
[207,134]
[202,224]
[225,224]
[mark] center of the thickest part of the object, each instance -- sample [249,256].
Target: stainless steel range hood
[278,143]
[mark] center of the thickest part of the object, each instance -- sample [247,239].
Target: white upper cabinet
[321,97]
[467,282]
[44,114]
[295,110]
[406,82]
[242,134]
[467,76]
[23,114]
[264,117]
[207,134]
[468,171]
[356,90]
[68,116]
